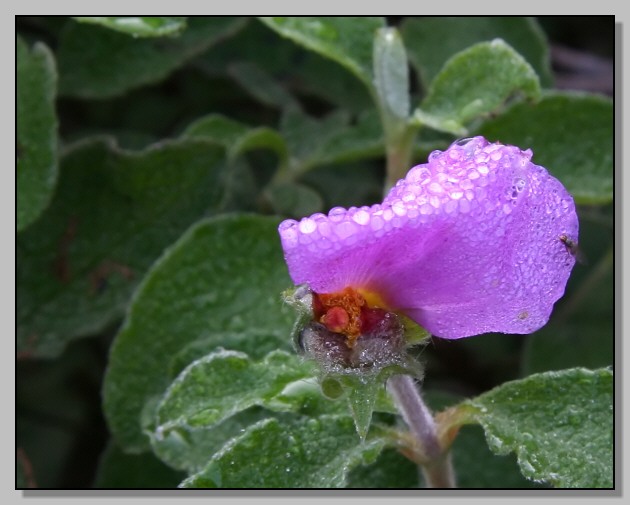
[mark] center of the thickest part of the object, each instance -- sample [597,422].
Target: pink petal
[468,243]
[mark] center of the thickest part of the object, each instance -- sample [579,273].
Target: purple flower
[474,241]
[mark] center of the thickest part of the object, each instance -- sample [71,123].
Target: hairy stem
[437,468]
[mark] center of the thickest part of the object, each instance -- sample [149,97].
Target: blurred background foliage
[272,104]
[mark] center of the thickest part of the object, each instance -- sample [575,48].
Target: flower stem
[399,147]
[437,467]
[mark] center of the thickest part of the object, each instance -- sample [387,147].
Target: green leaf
[294,200]
[118,470]
[588,344]
[190,449]
[96,62]
[261,85]
[475,83]
[331,139]
[571,134]
[313,453]
[391,73]
[223,383]
[559,424]
[431,41]
[113,214]
[253,342]
[224,275]
[361,184]
[477,467]
[237,137]
[346,40]
[301,72]
[36,131]
[139,26]
[390,471]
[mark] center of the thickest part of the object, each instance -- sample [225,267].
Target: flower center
[347,312]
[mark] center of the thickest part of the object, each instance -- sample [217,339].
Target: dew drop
[336,214]
[399,209]
[463,141]
[434,187]
[376,223]
[451,206]
[426,209]
[307,225]
[344,230]
[361,217]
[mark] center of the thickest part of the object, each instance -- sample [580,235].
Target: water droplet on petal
[307,225]
[463,141]
[361,217]
[336,214]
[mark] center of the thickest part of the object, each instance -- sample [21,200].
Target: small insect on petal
[573,249]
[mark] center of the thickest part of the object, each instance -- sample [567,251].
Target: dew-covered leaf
[223,383]
[458,33]
[190,449]
[559,424]
[304,453]
[475,83]
[223,276]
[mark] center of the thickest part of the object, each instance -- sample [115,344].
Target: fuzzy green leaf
[190,449]
[36,131]
[475,83]
[236,136]
[294,200]
[391,73]
[224,275]
[96,62]
[139,26]
[454,34]
[223,383]
[113,214]
[559,424]
[304,453]
[261,85]
[571,134]
[331,139]
[346,40]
